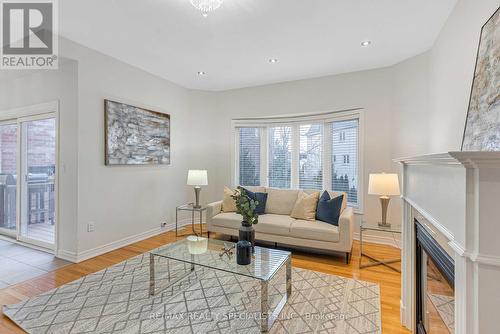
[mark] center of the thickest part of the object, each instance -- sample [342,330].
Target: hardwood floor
[388,279]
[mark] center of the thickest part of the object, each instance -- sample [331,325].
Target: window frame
[324,118]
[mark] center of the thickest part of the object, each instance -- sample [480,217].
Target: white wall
[123,202]
[25,88]
[411,108]
[452,61]
[395,114]
[126,201]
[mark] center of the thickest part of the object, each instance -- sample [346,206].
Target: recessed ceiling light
[273,60]
[200,73]
[366,43]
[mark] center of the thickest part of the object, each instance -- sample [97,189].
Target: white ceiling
[233,45]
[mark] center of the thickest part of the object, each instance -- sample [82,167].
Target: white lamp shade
[197,178]
[383,184]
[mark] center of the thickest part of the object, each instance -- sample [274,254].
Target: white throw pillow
[228,203]
[281,201]
[305,206]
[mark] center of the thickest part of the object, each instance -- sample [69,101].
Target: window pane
[280,156]
[345,168]
[249,156]
[310,162]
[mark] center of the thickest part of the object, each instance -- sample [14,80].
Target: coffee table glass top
[265,261]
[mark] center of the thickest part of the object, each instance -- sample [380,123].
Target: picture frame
[135,135]
[482,126]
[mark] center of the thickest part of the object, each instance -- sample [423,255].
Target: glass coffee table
[205,252]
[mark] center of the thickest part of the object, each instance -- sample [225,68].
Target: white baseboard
[66,255]
[85,255]
[379,239]
[88,254]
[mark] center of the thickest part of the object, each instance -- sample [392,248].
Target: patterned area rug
[116,300]
[445,305]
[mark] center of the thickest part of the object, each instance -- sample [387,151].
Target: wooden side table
[375,262]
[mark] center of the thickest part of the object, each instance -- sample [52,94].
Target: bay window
[302,152]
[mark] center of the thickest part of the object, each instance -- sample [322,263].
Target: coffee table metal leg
[289,277]
[168,269]
[264,308]
[151,274]
[176,221]
[152,282]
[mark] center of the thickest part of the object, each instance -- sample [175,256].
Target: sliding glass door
[28,164]
[38,167]
[8,178]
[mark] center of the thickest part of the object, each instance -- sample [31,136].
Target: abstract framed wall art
[482,127]
[135,136]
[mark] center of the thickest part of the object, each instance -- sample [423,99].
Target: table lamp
[384,185]
[197,178]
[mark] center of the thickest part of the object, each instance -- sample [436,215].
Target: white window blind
[345,170]
[249,156]
[310,158]
[280,157]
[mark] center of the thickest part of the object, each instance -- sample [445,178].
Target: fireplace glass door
[439,306]
[435,292]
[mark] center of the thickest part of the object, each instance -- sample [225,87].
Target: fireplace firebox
[435,277]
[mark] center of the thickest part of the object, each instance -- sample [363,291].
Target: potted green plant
[246,206]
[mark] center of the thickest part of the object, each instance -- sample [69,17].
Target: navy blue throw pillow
[259,197]
[328,209]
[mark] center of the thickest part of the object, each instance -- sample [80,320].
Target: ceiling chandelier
[206,6]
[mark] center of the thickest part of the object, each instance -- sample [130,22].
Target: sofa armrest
[213,209]
[346,228]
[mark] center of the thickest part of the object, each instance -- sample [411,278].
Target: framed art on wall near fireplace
[482,127]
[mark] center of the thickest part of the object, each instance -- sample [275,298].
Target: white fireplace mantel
[459,194]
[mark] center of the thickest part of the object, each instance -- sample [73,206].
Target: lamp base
[197,197]
[384,203]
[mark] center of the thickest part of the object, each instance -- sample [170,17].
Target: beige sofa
[277,226]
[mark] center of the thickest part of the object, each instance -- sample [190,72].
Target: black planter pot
[247,233]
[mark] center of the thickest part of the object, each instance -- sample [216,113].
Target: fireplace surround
[457,193]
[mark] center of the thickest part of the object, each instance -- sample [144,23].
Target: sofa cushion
[315,230]
[329,209]
[269,224]
[261,198]
[227,219]
[281,201]
[274,224]
[305,206]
